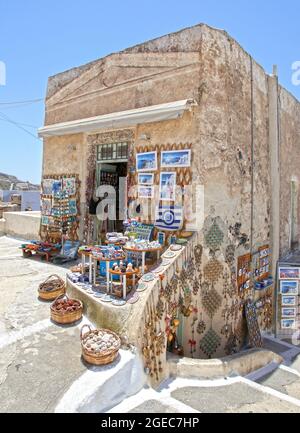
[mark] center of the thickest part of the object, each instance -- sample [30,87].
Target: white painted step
[101,388]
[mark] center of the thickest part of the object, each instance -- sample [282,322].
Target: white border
[160,186]
[289,281]
[145,169]
[289,267]
[176,165]
[293,316]
[288,327]
[146,186]
[147,183]
[289,305]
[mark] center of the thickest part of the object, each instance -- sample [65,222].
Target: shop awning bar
[154,113]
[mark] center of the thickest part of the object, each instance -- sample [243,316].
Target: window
[112,152]
[294,215]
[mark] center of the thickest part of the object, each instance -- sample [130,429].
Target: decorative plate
[165,262]
[142,287]
[107,298]
[133,299]
[175,247]
[159,270]
[148,277]
[187,234]
[181,241]
[118,302]
[169,255]
[99,295]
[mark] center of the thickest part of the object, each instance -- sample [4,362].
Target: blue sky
[41,38]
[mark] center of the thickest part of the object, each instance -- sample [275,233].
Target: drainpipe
[274,143]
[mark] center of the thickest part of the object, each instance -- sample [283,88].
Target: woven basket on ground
[51,288]
[103,357]
[66,317]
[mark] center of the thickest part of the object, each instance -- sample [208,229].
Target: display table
[84,255]
[123,277]
[95,260]
[143,253]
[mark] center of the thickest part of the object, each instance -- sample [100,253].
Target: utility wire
[18,125]
[22,102]
[22,124]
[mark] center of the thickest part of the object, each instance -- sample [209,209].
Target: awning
[153,113]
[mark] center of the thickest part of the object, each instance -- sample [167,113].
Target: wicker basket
[57,285]
[66,318]
[102,358]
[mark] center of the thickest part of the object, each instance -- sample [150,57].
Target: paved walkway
[38,360]
[41,368]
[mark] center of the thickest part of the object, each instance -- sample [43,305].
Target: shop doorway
[111,166]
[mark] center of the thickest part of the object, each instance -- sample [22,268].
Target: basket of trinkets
[99,346]
[51,288]
[65,310]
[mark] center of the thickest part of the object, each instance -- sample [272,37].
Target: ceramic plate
[142,287]
[118,302]
[175,247]
[148,277]
[181,241]
[165,262]
[107,298]
[133,299]
[159,270]
[169,254]
[99,295]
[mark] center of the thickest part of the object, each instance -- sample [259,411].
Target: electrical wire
[31,101]
[17,125]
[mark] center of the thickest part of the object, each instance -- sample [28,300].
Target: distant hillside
[12,182]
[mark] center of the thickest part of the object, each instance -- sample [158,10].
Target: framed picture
[161,237]
[289,273]
[176,158]
[145,191]
[288,323]
[69,185]
[288,300]
[56,186]
[146,161]
[146,179]
[46,207]
[288,312]
[47,185]
[167,186]
[289,287]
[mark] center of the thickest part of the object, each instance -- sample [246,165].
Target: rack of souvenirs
[117,272]
[60,206]
[43,249]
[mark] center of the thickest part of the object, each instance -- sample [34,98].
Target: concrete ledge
[21,225]
[102,315]
[240,364]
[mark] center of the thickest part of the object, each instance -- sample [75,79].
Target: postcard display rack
[287,323]
[254,283]
[60,207]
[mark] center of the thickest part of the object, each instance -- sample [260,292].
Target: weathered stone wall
[289,143]
[229,132]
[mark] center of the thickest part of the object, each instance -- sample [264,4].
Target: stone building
[194,89]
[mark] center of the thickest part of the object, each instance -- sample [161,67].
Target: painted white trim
[153,113]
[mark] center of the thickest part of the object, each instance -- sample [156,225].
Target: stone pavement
[38,360]
[41,368]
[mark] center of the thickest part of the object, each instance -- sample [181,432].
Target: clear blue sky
[41,38]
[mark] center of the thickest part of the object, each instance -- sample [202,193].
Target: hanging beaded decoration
[210,342]
[201,327]
[213,270]
[211,302]
[214,236]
